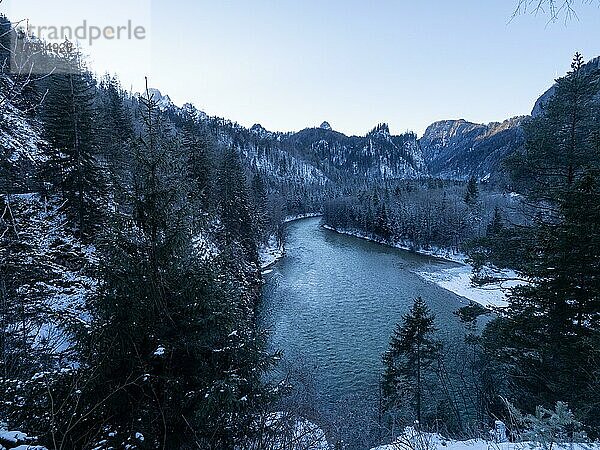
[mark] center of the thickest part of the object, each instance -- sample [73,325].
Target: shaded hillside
[457,149]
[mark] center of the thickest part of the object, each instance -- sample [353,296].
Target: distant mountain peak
[163,101]
[325,126]
[259,130]
[380,128]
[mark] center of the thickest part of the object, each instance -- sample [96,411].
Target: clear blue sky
[292,64]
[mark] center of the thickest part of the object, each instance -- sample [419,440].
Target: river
[332,303]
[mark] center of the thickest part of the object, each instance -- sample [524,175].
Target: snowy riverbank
[454,279]
[458,280]
[289,219]
[272,252]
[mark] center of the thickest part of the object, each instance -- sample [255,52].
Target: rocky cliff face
[452,149]
[457,149]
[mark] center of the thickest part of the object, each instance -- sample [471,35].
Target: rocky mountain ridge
[450,149]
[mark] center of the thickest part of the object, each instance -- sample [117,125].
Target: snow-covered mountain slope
[378,155]
[50,271]
[21,147]
[164,102]
[454,149]
[321,155]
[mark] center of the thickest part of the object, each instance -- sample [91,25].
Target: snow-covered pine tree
[115,132]
[237,231]
[260,208]
[198,148]
[548,428]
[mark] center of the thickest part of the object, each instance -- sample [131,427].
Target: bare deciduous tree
[18,70]
[555,9]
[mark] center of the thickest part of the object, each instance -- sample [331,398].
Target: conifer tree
[472,194]
[408,362]
[115,132]
[199,151]
[69,117]
[382,223]
[234,207]
[546,335]
[259,207]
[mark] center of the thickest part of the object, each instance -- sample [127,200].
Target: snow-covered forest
[134,234]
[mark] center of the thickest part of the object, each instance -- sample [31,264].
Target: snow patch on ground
[20,141]
[294,433]
[429,441]
[17,440]
[306,435]
[458,280]
[271,253]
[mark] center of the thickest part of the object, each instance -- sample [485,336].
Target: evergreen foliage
[546,337]
[412,352]
[129,275]
[548,428]
[472,194]
[69,117]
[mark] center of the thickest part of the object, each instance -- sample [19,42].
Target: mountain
[452,149]
[163,101]
[376,155]
[320,155]
[449,149]
[457,149]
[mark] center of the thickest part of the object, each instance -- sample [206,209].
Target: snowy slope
[430,441]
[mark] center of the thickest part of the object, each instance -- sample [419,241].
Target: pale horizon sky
[289,65]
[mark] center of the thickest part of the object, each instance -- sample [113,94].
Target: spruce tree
[69,120]
[408,362]
[472,194]
[547,333]
[259,208]
[198,148]
[115,132]
[234,208]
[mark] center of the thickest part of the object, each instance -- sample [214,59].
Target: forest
[130,275]
[129,270]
